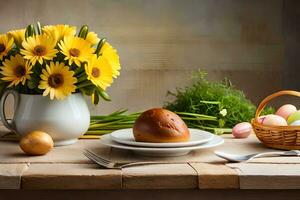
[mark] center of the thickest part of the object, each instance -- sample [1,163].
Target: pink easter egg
[286,110]
[242,130]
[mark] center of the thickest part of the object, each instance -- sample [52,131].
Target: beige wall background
[162,42]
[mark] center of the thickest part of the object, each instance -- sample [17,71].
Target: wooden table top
[66,168]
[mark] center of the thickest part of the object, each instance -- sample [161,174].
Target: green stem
[210,102]
[196,115]
[102,132]
[81,78]
[198,119]
[84,84]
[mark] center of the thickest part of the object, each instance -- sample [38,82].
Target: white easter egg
[274,120]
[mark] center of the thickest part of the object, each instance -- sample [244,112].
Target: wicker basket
[278,137]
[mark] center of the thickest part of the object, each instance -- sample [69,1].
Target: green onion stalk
[104,124]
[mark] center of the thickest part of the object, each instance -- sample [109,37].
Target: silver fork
[245,158]
[103,162]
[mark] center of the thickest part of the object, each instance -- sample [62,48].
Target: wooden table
[65,168]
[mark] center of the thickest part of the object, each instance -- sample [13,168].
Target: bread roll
[159,125]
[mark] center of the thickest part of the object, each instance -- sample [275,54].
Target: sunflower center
[2,48]
[96,72]
[39,50]
[55,80]
[74,52]
[20,71]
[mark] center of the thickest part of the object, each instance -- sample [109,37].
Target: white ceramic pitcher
[64,120]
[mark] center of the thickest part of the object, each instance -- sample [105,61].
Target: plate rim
[135,148]
[161,145]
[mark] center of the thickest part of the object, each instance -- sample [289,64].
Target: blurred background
[161,43]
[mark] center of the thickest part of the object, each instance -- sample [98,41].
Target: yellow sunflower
[98,71]
[111,54]
[58,32]
[92,37]
[6,45]
[16,70]
[76,50]
[39,48]
[57,80]
[18,35]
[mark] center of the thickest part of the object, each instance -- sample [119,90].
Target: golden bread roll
[159,125]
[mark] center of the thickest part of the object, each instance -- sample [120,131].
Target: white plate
[161,152]
[125,136]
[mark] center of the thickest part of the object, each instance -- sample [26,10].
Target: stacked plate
[124,139]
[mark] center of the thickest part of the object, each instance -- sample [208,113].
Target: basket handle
[266,100]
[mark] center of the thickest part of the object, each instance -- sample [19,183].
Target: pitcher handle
[16,96]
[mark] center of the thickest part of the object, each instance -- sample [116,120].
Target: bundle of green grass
[221,100]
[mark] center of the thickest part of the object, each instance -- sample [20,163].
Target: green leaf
[33,82]
[85,84]
[32,30]
[88,90]
[103,94]
[83,31]
[81,78]
[99,46]
[29,31]
[78,70]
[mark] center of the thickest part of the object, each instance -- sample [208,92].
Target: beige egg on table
[36,143]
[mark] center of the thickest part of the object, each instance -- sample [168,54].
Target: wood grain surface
[67,168]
